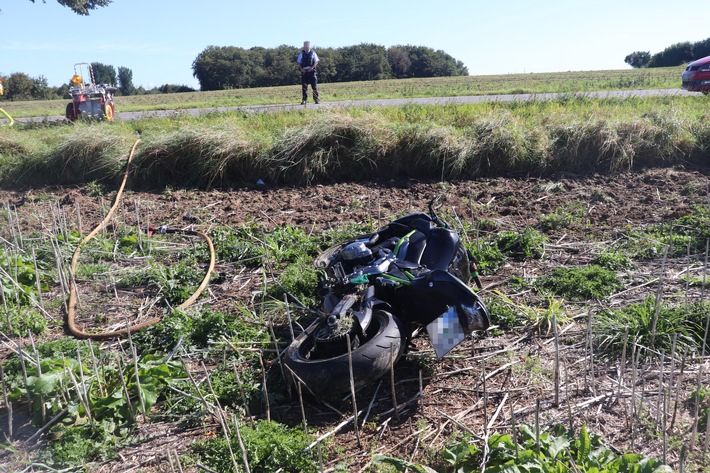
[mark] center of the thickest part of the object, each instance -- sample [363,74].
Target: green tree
[40,88]
[227,67]
[673,55]
[638,59]
[701,48]
[279,66]
[328,66]
[426,62]
[399,60]
[125,81]
[363,62]
[18,86]
[81,7]
[174,89]
[103,73]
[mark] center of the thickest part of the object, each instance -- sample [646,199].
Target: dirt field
[486,384]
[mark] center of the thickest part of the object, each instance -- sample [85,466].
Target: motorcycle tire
[372,359]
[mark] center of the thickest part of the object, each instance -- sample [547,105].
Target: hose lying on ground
[71,308]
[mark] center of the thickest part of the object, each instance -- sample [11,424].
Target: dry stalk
[392,385]
[245,458]
[266,389]
[7,402]
[352,391]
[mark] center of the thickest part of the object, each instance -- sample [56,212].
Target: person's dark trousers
[306,79]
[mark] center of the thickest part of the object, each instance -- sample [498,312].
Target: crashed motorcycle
[378,291]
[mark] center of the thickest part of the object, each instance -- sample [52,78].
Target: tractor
[90,100]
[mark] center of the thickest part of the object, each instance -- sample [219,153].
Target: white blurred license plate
[446,332]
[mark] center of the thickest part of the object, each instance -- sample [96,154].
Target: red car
[696,77]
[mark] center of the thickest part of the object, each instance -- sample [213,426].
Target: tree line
[674,55]
[229,67]
[21,86]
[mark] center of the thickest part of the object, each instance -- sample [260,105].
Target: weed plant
[528,244]
[613,260]
[580,284]
[269,446]
[563,217]
[650,325]
[531,451]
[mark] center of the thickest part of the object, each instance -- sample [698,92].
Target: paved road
[388,103]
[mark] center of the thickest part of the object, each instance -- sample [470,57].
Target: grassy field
[585,81]
[572,135]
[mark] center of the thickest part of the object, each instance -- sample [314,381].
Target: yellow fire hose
[71,308]
[8,117]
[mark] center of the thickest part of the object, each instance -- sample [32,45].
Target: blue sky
[159,39]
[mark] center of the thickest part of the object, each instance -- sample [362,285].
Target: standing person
[307,62]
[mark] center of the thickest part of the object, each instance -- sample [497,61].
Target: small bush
[563,217]
[78,446]
[613,260]
[300,279]
[487,255]
[636,323]
[504,312]
[270,446]
[585,283]
[522,246]
[20,320]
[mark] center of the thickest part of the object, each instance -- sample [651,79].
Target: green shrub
[563,217]
[78,446]
[299,279]
[504,312]
[612,260]
[487,255]
[585,283]
[20,320]
[557,451]
[269,446]
[522,246]
[636,323]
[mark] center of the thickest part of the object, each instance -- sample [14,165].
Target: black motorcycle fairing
[430,295]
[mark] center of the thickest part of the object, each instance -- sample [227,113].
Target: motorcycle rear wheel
[373,358]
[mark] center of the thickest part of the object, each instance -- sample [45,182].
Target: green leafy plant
[563,217]
[18,278]
[269,446]
[299,278]
[20,320]
[584,283]
[613,260]
[522,246]
[558,451]
[487,255]
[649,324]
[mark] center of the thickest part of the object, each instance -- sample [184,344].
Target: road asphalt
[383,103]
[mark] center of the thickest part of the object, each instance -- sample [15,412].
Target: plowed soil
[485,384]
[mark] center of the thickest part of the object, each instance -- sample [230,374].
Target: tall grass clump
[336,146]
[91,152]
[199,154]
[504,144]
[652,325]
[428,150]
